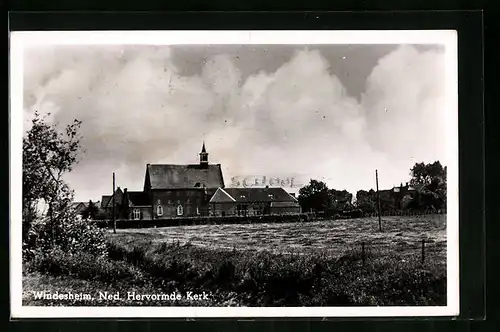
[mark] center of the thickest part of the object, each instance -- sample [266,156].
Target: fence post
[363,252]
[423,251]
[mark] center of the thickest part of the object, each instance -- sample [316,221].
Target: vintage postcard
[234,174]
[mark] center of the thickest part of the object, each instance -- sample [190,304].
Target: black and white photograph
[234,173]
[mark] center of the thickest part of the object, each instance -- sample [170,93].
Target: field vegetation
[402,234]
[263,265]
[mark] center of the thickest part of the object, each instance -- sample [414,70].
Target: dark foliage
[91,211]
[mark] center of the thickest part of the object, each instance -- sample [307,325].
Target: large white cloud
[136,109]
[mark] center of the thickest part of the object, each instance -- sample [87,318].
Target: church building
[172,190]
[182,190]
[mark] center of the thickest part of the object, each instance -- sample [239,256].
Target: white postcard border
[21,40]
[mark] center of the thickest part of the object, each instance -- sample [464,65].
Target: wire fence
[419,251]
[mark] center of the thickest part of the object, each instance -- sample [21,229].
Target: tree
[47,155]
[342,199]
[90,211]
[432,190]
[315,196]
[425,174]
[366,201]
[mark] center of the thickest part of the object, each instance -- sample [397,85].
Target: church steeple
[203,156]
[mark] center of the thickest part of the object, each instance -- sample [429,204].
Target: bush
[87,266]
[67,233]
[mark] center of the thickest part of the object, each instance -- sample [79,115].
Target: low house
[107,202]
[137,205]
[252,201]
[394,199]
[79,208]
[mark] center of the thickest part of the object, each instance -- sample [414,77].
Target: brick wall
[192,202]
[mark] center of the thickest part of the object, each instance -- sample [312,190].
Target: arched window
[180,210]
[137,214]
[159,210]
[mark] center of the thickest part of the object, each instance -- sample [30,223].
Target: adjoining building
[252,201]
[137,205]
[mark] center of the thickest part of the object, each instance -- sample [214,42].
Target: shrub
[67,233]
[83,265]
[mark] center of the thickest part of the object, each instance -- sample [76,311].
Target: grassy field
[335,238]
[260,264]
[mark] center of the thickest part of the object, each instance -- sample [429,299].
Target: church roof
[138,198]
[254,195]
[164,176]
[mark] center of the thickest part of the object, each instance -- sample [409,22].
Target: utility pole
[378,203]
[114,217]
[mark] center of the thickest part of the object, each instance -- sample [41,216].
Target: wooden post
[114,217]
[363,253]
[378,203]
[423,251]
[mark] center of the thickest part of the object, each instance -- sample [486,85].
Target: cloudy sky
[329,112]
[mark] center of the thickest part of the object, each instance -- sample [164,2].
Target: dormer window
[159,210]
[180,210]
[197,185]
[270,196]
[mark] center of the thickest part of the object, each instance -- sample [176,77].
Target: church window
[180,210]
[159,210]
[137,214]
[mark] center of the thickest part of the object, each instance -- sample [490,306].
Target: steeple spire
[203,156]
